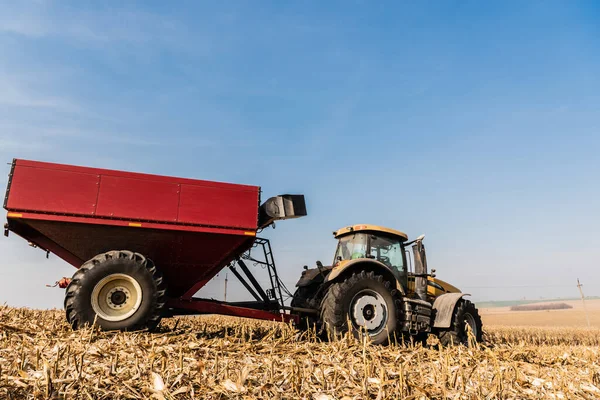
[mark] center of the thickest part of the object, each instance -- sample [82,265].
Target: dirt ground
[574,317]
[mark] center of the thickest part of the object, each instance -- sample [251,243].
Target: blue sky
[475,123]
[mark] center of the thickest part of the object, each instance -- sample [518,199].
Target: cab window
[351,247]
[388,251]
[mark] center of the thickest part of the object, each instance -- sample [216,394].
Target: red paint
[125,174]
[215,206]
[213,307]
[39,187]
[126,223]
[56,191]
[137,199]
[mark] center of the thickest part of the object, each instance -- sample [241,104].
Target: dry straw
[221,358]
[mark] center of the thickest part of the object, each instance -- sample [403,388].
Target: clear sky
[476,123]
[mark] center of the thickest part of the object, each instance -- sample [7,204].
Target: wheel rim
[470,324]
[116,297]
[368,310]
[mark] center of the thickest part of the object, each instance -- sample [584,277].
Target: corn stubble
[216,357]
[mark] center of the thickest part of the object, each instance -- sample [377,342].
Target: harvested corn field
[219,357]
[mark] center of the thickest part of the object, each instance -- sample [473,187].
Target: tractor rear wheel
[465,318]
[118,290]
[362,303]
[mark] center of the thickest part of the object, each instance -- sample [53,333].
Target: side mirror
[319,264]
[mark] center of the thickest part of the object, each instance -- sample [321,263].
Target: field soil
[215,357]
[574,317]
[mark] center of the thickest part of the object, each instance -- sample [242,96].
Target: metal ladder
[275,292]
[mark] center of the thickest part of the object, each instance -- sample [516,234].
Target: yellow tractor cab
[386,246]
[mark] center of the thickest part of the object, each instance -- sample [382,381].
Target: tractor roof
[369,228]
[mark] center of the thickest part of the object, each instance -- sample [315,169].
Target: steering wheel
[385,260]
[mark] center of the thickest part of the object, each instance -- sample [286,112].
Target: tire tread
[334,319]
[73,317]
[456,333]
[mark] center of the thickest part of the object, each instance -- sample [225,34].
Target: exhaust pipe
[420,270]
[285,206]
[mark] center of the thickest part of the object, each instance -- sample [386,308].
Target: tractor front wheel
[363,302]
[118,290]
[466,324]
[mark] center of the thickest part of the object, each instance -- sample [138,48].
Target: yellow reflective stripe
[136,224]
[14,215]
[250,233]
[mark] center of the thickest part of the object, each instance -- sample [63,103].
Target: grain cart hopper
[145,244]
[369,288]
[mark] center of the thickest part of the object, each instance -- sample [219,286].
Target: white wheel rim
[116,297]
[369,310]
[470,324]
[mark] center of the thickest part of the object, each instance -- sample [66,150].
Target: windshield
[351,247]
[384,249]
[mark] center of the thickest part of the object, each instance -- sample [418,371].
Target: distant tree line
[540,307]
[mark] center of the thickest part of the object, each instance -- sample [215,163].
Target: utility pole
[225,294]
[579,286]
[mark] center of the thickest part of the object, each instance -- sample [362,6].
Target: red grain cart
[145,244]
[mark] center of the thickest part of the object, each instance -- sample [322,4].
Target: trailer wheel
[362,302]
[119,290]
[465,318]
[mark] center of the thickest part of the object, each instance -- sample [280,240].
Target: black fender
[444,306]
[313,276]
[365,264]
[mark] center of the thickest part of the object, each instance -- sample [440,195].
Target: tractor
[370,289]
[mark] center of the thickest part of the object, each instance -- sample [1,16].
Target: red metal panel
[72,190]
[50,190]
[137,199]
[129,224]
[204,205]
[135,175]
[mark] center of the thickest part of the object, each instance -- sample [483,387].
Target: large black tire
[136,271]
[464,312]
[341,297]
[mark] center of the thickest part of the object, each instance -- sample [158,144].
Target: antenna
[225,294]
[579,286]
